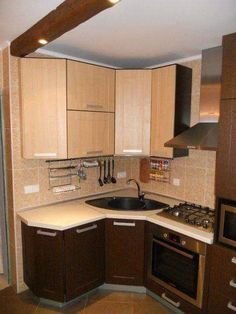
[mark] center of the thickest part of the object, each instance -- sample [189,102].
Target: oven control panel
[172,237]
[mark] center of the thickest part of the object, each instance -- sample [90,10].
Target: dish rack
[61,177]
[160,169]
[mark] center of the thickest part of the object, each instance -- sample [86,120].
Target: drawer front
[223,263]
[218,304]
[172,298]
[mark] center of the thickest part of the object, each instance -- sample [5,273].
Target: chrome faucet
[140,194]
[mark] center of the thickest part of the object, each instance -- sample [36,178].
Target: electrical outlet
[121,175]
[28,189]
[176,182]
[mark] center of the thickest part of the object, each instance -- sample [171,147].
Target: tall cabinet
[226,152]
[133,110]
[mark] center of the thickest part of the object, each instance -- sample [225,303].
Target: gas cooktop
[195,215]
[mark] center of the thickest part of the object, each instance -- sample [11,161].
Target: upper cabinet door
[90,134]
[43,104]
[163,110]
[229,67]
[90,87]
[133,110]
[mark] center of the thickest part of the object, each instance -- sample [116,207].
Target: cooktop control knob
[165,235]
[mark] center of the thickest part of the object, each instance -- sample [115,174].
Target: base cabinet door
[124,251]
[84,258]
[43,262]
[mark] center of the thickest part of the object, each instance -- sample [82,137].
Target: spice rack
[160,169]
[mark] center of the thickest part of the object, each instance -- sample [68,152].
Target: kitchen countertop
[74,213]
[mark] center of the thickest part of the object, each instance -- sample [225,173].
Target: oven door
[227,232]
[176,267]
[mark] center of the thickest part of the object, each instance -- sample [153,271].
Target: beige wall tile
[21,179]
[195,185]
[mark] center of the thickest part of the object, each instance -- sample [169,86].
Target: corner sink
[126,203]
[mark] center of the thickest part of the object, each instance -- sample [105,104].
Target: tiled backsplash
[196,172]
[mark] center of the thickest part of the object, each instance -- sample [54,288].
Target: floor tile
[18,304]
[149,308]
[101,307]
[76,307]
[110,296]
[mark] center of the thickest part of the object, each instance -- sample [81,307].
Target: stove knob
[183,242]
[165,235]
[205,223]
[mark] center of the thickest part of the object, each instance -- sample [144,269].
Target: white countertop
[70,214]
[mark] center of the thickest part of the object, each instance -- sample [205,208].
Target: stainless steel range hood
[204,134]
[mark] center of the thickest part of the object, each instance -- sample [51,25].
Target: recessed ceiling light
[43,41]
[114,1]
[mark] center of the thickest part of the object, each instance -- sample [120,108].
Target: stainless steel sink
[126,203]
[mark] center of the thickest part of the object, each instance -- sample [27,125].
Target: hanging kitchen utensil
[100,176]
[113,179]
[104,177]
[109,171]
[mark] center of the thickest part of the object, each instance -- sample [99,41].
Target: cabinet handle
[232,283]
[233,260]
[124,224]
[95,152]
[45,154]
[86,229]
[231,307]
[94,106]
[176,304]
[132,150]
[49,234]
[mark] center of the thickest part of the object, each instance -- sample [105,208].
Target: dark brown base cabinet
[61,265]
[222,281]
[124,252]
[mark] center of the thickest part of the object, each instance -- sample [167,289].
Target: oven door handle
[173,249]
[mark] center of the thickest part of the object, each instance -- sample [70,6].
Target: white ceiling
[134,33]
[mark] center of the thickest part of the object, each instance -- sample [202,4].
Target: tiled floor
[3,282]
[98,302]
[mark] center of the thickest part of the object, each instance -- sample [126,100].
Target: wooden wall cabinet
[61,265]
[43,104]
[90,134]
[90,87]
[49,130]
[171,108]
[222,281]
[124,252]
[133,109]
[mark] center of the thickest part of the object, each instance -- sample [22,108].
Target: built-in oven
[227,223]
[178,264]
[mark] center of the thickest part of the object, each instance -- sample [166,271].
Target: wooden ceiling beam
[65,17]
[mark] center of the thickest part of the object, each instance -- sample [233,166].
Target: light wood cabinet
[90,134]
[90,87]
[171,106]
[133,109]
[43,104]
